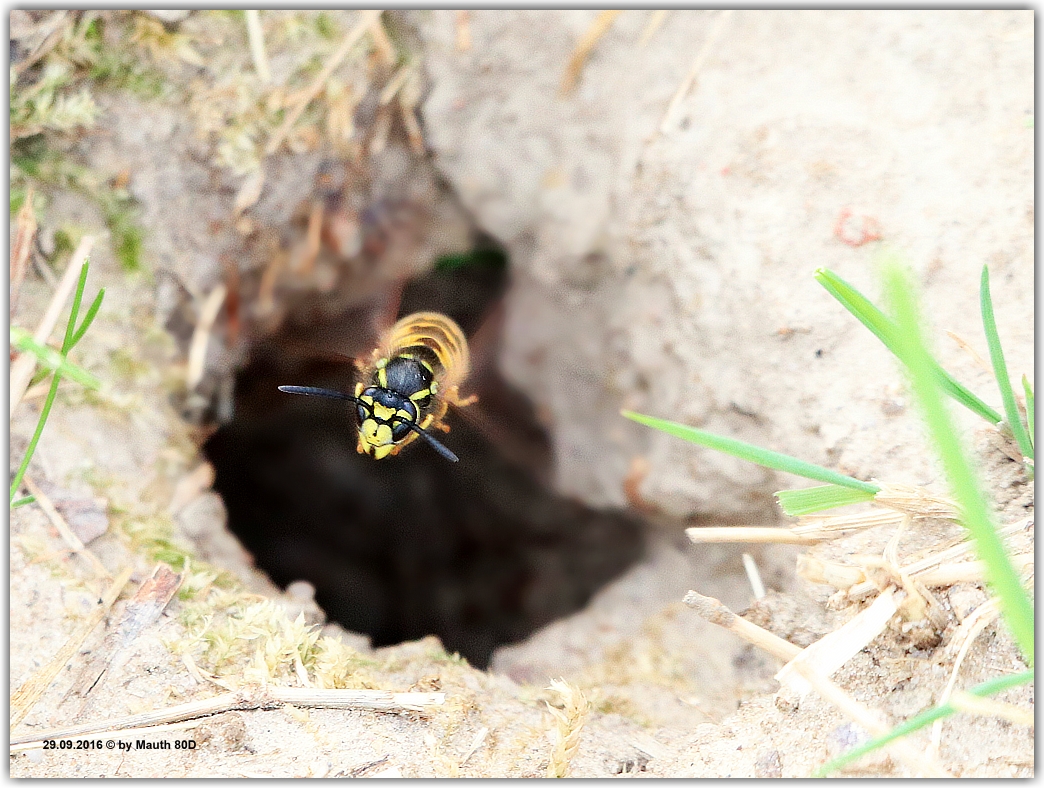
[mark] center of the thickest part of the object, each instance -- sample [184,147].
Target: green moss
[125,365]
[325,26]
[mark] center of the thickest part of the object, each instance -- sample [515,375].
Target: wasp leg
[454,399]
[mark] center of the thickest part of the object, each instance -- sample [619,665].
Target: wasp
[413,376]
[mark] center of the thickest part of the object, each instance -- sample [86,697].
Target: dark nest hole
[480,553]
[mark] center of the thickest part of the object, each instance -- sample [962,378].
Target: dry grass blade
[569,722]
[201,336]
[917,502]
[694,69]
[25,697]
[987,707]
[463,31]
[583,49]
[367,19]
[480,738]
[22,369]
[812,529]
[757,587]
[967,348]
[25,232]
[962,639]
[257,46]
[915,759]
[60,20]
[656,20]
[712,610]
[750,534]
[149,601]
[246,699]
[63,528]
[831,651]
[855,580]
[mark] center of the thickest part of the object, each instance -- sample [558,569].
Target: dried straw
[22,369]
[25,697]
[569,722]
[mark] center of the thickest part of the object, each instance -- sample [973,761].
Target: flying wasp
[414,375]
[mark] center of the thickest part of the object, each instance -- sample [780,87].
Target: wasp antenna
[434,443]
[311,391]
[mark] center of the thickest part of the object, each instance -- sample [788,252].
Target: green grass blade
[44,413]
[51,358]
[92,313]
[23,501]
[1030,420]
[818,499]
[885,329]
[1000,368]
[965,488]
[74,311]
[987,688]
[751,453]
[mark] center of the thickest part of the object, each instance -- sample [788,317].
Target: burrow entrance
[481,552]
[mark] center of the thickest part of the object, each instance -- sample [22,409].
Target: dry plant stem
[965,635]
[694,69]
[22,369]
[383,45]
[63,528]
[463,31]
[750,534]
[249,698]
[480,737]
[257,46]
[913,758]
[22,247]
[987,707]
[754,576]
[715,612]
[656,20]
[26,696]
[367,20]
[812,529]
[963,345]
[395,84]
[143,610]
[830,652]
[917,501]
[305,264]
[201,336]
[587,42]
[48,44]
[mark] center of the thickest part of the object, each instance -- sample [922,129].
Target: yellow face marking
[377,438]
[382,412]
[404,415]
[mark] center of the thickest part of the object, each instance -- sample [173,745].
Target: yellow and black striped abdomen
[436,339]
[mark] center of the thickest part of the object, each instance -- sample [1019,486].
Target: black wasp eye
[360,413]
[400,431]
